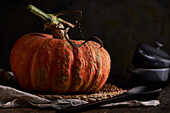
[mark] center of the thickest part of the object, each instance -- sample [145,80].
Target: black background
[120,24]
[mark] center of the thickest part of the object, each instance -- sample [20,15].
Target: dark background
[120,24]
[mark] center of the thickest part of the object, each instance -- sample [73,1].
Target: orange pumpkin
[45,64]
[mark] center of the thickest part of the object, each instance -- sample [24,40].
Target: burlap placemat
[107,91]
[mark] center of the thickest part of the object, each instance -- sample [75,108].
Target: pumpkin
[42,63]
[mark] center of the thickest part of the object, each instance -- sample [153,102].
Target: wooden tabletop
[164,107]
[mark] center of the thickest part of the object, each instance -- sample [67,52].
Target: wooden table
[164,107]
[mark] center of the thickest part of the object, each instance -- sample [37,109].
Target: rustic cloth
[12,96]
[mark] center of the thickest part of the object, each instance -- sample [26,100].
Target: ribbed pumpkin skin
[43,64]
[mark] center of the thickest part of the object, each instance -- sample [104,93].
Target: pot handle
[158,45]
[147,56]
[133,71]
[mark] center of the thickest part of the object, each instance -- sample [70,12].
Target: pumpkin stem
[45,17]
[51,21]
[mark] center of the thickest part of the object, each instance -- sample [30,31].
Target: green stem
[49,19]
[44,16]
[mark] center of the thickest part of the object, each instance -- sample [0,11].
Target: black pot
[149,76]
[146,56]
